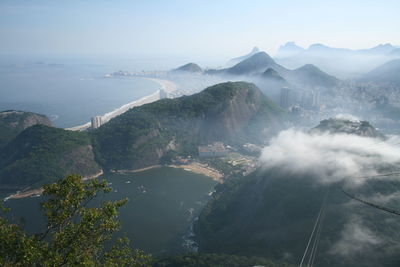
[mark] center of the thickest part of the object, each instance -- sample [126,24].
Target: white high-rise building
[96,122]
[163,94]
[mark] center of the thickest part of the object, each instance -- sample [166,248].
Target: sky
[186,28]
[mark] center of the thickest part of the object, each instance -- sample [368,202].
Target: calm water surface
[69,94]
[162,204]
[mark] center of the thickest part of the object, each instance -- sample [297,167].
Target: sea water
[68,93]
[162,205]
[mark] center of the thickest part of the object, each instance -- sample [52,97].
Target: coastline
[38,191]
[138,170]
[194,167]
[200,168]
[166,85]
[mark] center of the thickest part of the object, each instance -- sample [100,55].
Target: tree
[76,234]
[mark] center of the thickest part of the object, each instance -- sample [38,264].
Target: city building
[96,122]
[285,92]
[214,150]
[310,99]
[163,94]
[289,97]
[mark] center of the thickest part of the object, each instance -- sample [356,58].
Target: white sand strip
[166,85]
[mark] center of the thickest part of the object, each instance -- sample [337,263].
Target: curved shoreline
[39,191]
[194,167]
[166,85]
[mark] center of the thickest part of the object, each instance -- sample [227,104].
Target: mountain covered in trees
[232,112]
[41,154]
[12,122]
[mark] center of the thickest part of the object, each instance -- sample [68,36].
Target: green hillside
[229,112]
[42,154]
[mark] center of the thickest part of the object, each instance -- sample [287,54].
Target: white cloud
[348,117]
[330,157]
[355,237]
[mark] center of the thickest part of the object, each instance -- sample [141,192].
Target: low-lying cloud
[331,157]
[355,237]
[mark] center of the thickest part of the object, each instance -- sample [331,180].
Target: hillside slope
[261,65]
[272,211]
[13,122]
[189,67]
[233,113]
[311,77]
[386,73]
[42,154]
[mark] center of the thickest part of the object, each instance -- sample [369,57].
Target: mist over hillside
[301,175]
[200,133]
[341,62]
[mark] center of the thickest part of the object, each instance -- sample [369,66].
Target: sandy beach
[166,85]
[194,167]
[138,170]
[39,191]
[200,168]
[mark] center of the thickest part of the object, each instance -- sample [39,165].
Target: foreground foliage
[76,233]
[221,260]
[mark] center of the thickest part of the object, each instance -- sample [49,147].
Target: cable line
[317,226]
[393,211]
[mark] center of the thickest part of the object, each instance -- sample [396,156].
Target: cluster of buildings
[154,74]
[214,150]
[307,99]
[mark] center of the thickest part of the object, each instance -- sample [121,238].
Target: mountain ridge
[12,122]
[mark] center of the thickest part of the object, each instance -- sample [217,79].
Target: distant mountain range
[308,76]
[255,64]
[387,73]
[273,75]
[189,68]
[341,62]
[291,49]
[236,60]
[288,50]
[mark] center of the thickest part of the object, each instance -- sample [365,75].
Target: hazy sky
[182,28]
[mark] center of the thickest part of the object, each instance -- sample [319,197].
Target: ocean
[68,93]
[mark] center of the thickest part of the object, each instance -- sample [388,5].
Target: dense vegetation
[42,154]
[13,122]
[220,260]
[233,112]
[271,214]
[230,112]
[76,234]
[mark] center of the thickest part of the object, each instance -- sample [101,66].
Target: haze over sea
[69,92]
